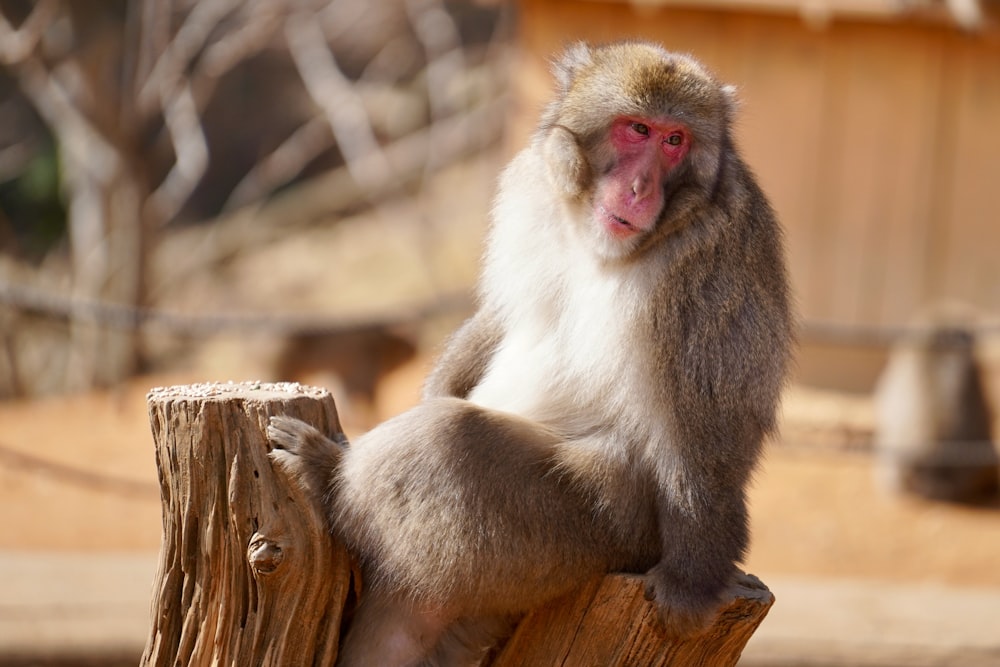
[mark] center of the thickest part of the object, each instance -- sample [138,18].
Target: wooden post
[249,575]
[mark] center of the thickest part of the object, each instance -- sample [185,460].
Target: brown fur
[603,409]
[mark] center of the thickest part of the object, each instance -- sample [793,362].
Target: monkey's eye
[641,129]
[675,139]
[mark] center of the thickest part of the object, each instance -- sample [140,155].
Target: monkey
[604,406]
[933,419]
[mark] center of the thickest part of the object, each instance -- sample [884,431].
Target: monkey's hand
[568,168]
[304,453]
[685,609]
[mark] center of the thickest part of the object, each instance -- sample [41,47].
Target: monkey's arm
[465,358]
[704,533]
[725,381]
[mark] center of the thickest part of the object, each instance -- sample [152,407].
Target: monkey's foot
[304,453]
[682,614]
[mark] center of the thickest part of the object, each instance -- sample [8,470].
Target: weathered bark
[249,575]
[609,623]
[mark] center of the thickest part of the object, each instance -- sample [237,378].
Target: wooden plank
[882,141]
[912,164]
[774,64]
[967,230]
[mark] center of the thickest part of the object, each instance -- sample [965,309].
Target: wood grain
[248,574]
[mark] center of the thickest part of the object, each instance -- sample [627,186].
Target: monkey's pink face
[630,197]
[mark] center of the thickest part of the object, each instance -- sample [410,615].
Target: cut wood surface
[249,574]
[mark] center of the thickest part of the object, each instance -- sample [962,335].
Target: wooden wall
[877,140]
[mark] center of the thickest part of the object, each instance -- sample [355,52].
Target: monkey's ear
[569,63]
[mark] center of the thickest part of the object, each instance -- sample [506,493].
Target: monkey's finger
[649,591]
[288,433]
[283,459]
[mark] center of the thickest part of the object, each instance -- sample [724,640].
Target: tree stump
[249,574]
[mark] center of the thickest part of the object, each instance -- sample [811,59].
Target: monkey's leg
[464,509]
[704,536]
[467,640]
[307,455]
[387,632]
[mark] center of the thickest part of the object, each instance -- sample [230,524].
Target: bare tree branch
[342,105]
[283,163]
[181,51]
[152,34]
[439,36]
[339,17]
[191,149]
[78,138]
[17,44]
[262,19]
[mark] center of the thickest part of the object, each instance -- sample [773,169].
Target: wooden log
[249,574]
[609,623]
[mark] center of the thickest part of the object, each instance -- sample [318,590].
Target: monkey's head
[634,131]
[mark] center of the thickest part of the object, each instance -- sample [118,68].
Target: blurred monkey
[933,419]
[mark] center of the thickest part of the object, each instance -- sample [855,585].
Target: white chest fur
[570,326]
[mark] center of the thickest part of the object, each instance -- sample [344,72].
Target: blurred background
[212,190]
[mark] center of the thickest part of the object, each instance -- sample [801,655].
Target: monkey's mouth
[617,225]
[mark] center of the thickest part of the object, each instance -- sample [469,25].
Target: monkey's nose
[640,187]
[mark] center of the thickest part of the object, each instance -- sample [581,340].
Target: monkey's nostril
[640,188]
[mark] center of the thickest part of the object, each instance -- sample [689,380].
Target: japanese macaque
[604,407]
[933,419]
